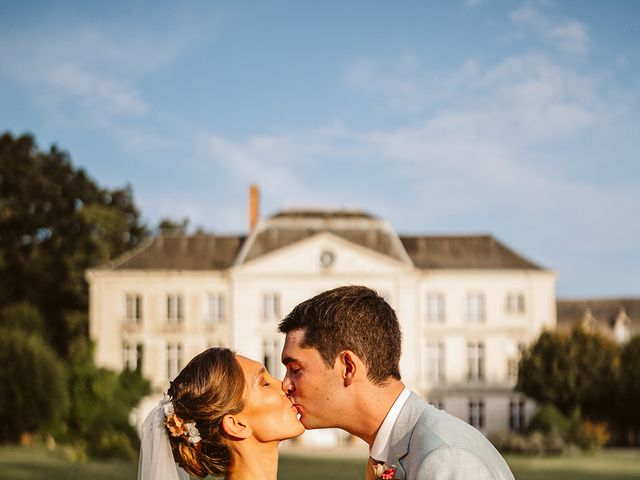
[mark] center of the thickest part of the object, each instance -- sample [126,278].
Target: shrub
[23,316]
[33,389]
[101,401]
[548,420]
[534,443]
[592,435]
[113,443]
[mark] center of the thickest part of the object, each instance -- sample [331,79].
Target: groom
[342,354]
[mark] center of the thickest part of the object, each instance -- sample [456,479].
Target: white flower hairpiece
[176,426]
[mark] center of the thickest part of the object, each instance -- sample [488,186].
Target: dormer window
[622,327]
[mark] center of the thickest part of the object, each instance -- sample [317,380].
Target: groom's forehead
[294,349]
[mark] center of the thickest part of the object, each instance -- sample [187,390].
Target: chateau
[467,304]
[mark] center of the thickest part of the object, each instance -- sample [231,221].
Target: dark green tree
[168,226]
[33,394]
[574,372]
[629,386]
[100,404]
[22,316]
[55,222]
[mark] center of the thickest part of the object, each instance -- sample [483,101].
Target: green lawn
[39,464]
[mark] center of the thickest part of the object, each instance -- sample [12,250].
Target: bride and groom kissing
[225,415]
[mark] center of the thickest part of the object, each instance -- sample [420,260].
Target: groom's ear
[236,427]
[349,365]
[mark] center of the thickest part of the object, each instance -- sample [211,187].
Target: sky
[520,119]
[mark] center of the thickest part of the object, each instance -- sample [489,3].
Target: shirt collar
[380,448]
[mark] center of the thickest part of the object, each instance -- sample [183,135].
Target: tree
[33,394]
[100,404]
[629,384]
[55,222]
[168,226]
[22,316]
[575,371]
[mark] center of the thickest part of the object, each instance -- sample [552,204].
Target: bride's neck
[253,460]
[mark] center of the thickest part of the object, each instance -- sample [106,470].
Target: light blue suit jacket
[427,443]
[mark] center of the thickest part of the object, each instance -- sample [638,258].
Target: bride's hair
[207,389]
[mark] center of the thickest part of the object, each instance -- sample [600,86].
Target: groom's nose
[287,385]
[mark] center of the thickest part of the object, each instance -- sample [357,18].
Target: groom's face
[311,386]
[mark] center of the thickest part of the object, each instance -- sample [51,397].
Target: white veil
[156,459]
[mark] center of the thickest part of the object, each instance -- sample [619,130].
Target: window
[435,308]
[476,413]
[475,361]
[271,356]
[513,362]
[515,303]
[133,313]
[517,419]
[271,306]
[435,362]
[132,356]
[215,312]
[475,307]
[174,359]
[175,310]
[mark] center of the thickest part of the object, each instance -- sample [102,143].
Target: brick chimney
[254,206]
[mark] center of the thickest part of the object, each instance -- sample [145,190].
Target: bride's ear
[236,427]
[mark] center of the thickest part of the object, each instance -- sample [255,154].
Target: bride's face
[269,412]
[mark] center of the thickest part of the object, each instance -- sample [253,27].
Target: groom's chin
[307,424]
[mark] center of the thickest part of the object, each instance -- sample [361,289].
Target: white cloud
[526,97]
[107,96]
[571,36]
[88,76]
[568,35]
[470,150]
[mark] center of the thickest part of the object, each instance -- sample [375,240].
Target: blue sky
[520,119]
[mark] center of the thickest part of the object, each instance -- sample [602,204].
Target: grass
[18,463]
[38,463]
[606,464]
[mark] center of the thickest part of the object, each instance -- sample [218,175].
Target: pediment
[323,253]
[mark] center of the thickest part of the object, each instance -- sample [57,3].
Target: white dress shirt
[380,448]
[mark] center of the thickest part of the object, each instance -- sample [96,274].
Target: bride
[224,415]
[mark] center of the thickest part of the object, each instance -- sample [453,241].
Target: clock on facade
[327,257]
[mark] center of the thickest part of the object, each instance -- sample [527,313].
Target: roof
[603,311]
[182,252]
[463,251]
[291,226]
[218,252]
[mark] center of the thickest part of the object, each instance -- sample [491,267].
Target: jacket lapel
[402,431]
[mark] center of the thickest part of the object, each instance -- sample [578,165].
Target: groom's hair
[352,318]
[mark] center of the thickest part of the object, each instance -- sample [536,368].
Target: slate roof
[290,226]
[463,251]
[218,252]
[603,311]
[182,252]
